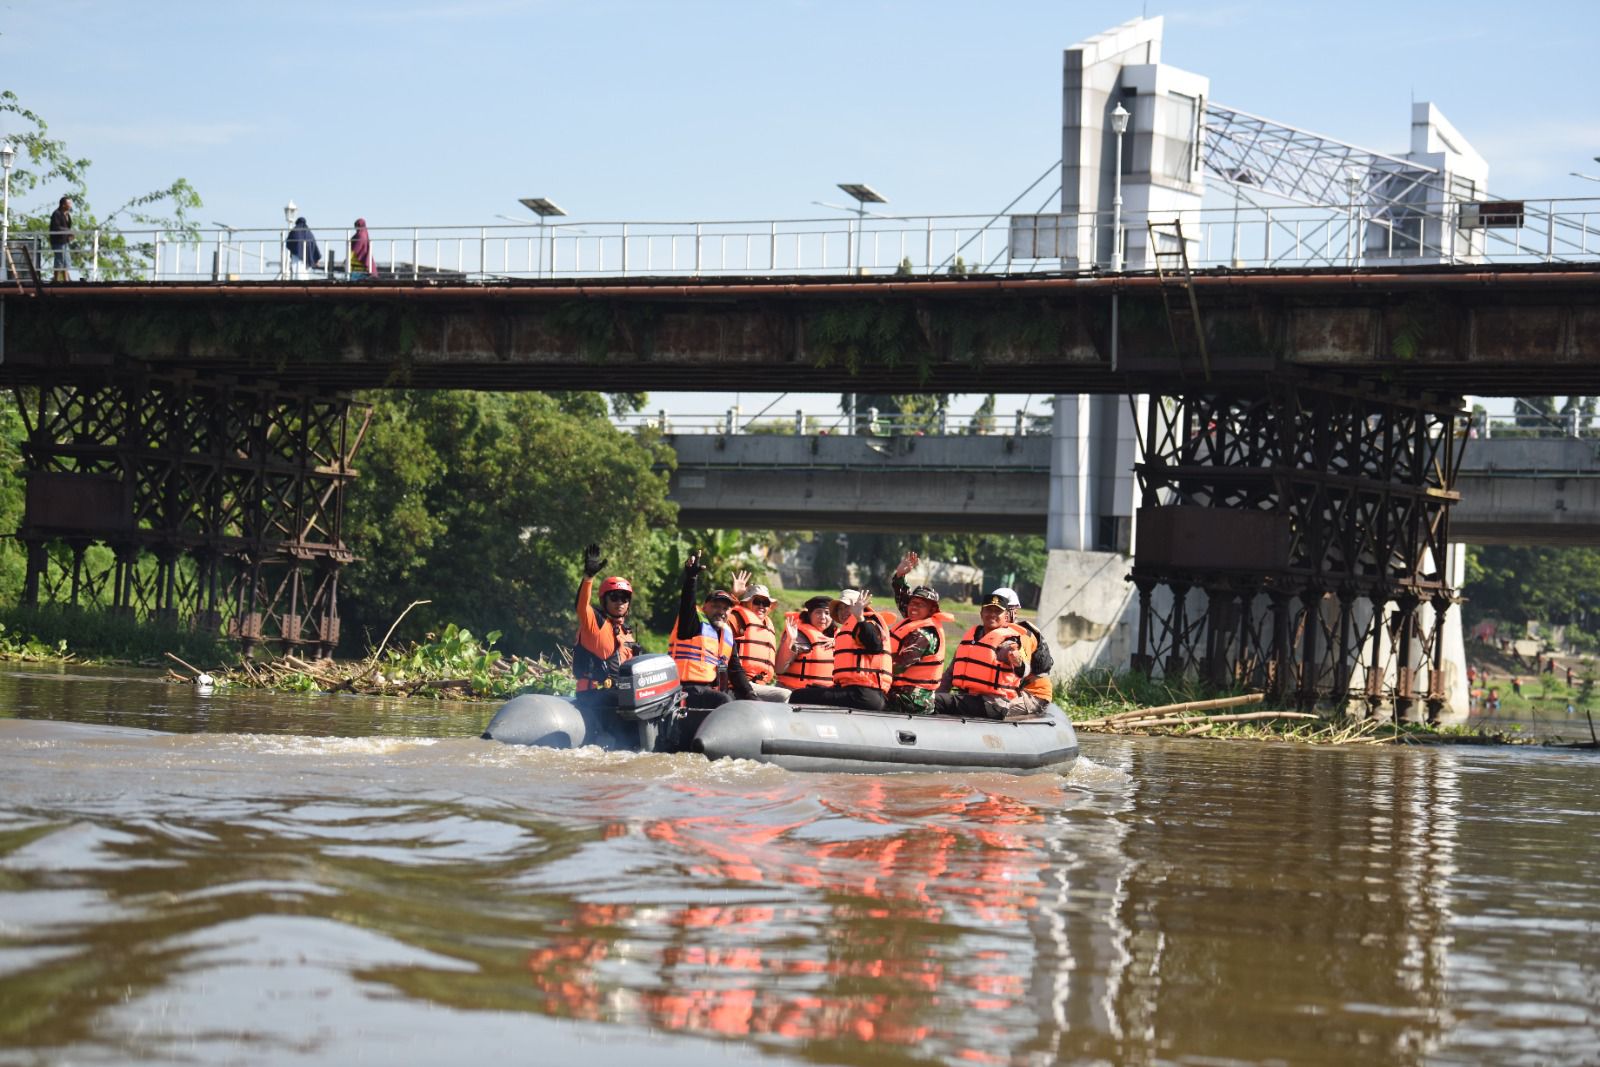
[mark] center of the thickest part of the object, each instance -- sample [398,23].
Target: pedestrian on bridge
[304,255]
[361,261]
[61,238]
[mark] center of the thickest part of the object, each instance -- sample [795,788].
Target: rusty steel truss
[209,502]
[1296,540]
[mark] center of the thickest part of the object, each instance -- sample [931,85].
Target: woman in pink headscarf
[361,264]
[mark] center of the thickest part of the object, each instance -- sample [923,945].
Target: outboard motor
[648,693]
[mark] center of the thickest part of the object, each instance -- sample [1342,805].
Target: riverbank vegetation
[1131,703]
[455,664]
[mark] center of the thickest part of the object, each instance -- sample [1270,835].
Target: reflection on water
[219,893]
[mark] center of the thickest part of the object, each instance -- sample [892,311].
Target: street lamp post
[545,209]
[1353,182]
[1119,126]
[8,155]
[863,195]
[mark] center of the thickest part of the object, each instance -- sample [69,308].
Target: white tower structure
[1087,607]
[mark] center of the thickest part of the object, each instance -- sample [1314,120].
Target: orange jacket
[603,645]
[700,657]
[922,673]
[756,641]
[1037,685]
[978,667]
[814,666]
[852,664]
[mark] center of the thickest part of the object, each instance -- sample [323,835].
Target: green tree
[482,503]
[45,171]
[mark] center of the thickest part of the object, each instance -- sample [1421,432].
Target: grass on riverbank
[72,635]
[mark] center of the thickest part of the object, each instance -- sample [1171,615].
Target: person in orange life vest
[755,639]
[986,674]
[805,655]
[918,647]
[862,665]
[605,640]
[1036,691]
[702,645]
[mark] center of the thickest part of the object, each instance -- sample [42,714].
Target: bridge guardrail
[866,423]
[1545,231]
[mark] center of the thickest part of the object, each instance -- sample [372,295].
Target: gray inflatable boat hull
[555,722]
[810,739]
[838,739]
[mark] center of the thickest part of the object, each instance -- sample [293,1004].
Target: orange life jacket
[814,666]
[852,666]
[1036,685]
[757,642]
[978,669]
[701,656]
[923,673]
[602,647]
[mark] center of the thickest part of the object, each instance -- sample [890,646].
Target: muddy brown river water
[239,878]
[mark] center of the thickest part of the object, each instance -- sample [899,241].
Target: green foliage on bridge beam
[922,336]
[267,335]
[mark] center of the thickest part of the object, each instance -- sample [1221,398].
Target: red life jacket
[852,666]
[978,669]
[757,642]
[925,672]
[814,666]
[701,656]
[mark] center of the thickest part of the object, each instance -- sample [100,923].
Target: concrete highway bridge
[1514,490]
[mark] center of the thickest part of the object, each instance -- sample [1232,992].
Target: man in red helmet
[605,640]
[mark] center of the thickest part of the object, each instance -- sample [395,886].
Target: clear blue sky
[413,112]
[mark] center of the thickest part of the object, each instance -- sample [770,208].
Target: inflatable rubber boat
[649,717]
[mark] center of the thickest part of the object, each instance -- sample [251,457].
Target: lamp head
[290,212]
[863,193]
[1119,120]
[541,206]
[8,153]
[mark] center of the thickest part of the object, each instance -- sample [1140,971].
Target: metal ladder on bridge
[22,264]
[1177,268]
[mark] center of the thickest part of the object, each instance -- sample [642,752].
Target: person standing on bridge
[61,238]
[304,255]
[361,261]
[755,639]
[605,640]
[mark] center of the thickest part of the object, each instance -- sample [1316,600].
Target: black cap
[926,592]
[818,602]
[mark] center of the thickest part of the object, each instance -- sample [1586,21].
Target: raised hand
[908,563]
[693,565]
[592,561]
[741,582]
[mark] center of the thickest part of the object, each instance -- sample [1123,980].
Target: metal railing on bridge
[1543,231]
[865,423]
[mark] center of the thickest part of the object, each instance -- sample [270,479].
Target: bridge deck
[1501,330]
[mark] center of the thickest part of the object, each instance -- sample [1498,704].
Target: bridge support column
[1332,498]
[1086,609]
[180,476]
